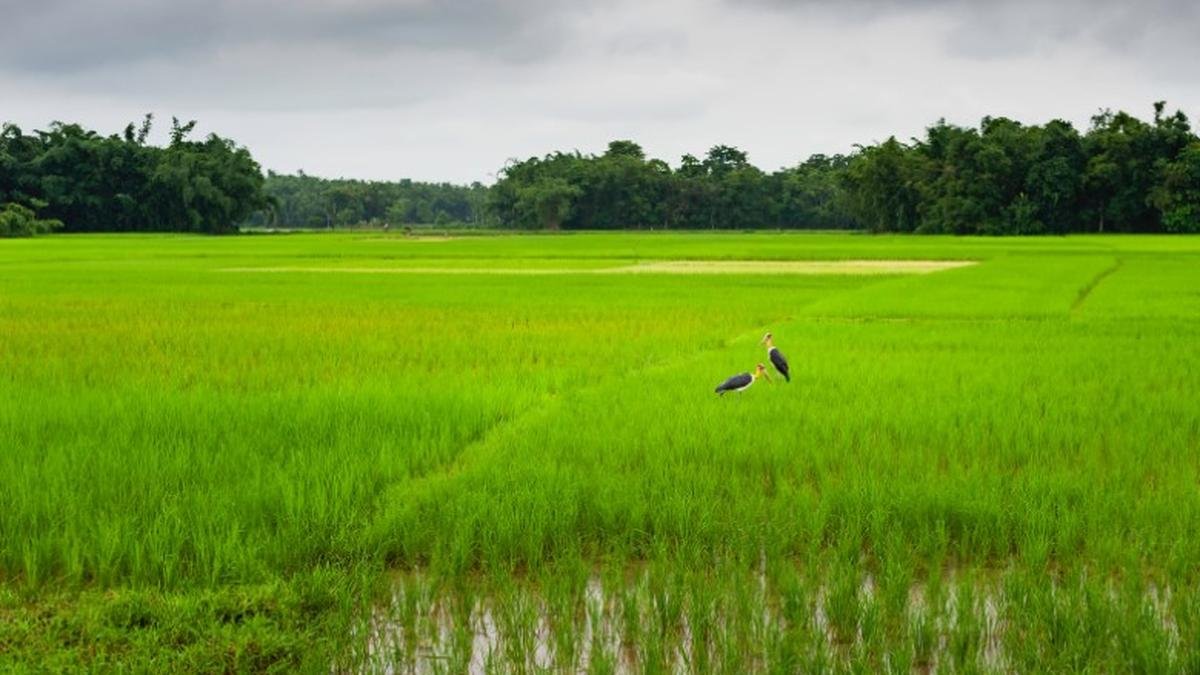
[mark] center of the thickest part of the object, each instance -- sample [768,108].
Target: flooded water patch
[655,622]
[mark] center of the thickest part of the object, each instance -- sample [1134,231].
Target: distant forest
[1122,174]
[304,201]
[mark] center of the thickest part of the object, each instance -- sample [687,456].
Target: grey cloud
[58,36]
[448,89]
[648,43]
[1014,28]
[1139,30]
[70,36]
[278,54]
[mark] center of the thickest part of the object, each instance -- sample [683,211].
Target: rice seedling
[984,468]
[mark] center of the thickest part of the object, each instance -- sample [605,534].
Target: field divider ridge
[1091,285]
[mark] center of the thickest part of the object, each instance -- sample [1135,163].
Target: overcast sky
[440,90]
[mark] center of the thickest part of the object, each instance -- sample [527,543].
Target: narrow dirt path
[1091,285]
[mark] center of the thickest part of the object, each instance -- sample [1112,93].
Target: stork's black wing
[780,364]
[734,383]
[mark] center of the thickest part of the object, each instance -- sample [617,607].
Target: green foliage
[204,187]
[1126,159]
[1002,178]
[547,202]
[1178,197]
[810,194]
[303,201]
[621,189]
[882,183]
[118,183]
[1006,178]
[20,221]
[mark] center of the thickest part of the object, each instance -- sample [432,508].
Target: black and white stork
[776,357]
[743,381]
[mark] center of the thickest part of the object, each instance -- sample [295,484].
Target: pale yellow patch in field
[791,267]
[419,270]
[854,267]
[416,238]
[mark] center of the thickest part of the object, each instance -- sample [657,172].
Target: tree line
[303,201]
[86,182]
[1001,177]
[1123,174]
[623,189]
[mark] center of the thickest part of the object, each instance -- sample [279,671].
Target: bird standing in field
[776,357]
[743,381]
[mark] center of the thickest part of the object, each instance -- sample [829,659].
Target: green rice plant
[290,452]
[843,605]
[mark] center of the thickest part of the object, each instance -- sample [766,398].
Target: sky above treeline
[449,90]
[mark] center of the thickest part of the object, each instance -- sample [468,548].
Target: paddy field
[503,453]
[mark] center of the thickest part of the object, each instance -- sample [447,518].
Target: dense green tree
[303,201]
[1177,197]
[615,190]
[97,183]
[20,221]
[810,195]
[1124,174]
[1126,158]
[548,201]
[1054,179]
[1118,175]
[623,189]
[208,186]
[974,180]
[625,149]
[1002,177]
[883,187]
[620,189]
[724,159]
